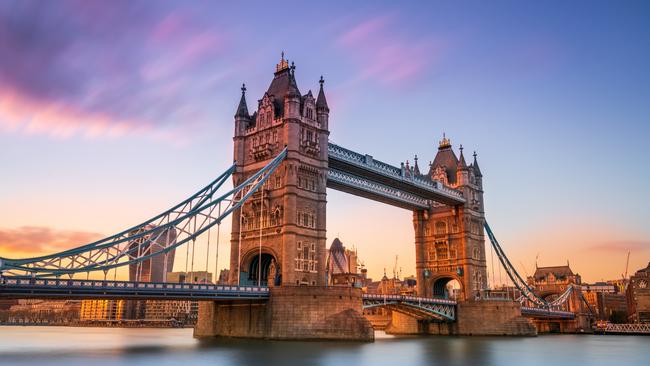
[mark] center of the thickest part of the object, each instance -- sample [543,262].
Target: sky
[113,111]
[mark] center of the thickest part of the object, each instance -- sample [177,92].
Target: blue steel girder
[418,307]
[546,313]
[180,225]
[363,187]
[366,167]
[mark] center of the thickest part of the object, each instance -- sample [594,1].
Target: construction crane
[627,265]
[395,268]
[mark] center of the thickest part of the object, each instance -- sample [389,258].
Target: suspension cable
[216,260]
[259,262]
[492,259]
[193,247]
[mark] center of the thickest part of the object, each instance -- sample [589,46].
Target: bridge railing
[377,188]
[547,312]
[408,298]
[75,283]
[368,162]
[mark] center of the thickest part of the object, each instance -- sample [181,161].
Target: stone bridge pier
[291,313]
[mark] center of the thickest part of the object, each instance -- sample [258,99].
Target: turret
[292,99]
[322,110]
[242,118]
[462,171]
[477,173]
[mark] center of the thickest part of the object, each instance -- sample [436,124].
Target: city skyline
[85,133]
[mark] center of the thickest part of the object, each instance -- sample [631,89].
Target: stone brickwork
[289,212]
[449,241]
[492,318]
[638,296]
[291,313]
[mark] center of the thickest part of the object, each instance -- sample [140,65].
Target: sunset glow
[108,120]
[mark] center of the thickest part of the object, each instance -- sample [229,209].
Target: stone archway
[253,267]
[447,287]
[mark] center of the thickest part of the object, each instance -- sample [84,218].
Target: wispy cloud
[621,245]
[94,68]
[385,51]
[39,240]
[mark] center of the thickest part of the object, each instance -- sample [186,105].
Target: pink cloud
[621,245]
[19,113]
[385,53]
[35,240]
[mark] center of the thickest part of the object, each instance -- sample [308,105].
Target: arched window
[442,250]
[268,117]
[441,227]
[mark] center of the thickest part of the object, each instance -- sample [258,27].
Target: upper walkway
[364,176]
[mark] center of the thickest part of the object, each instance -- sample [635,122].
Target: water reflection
[160,347]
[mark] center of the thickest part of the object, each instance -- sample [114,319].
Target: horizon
[102,129]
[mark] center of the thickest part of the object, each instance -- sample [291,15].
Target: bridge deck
[546,313]
[93,289]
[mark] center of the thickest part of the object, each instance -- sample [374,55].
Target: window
[278,182]
[441,227]
[452,251]
[306,219]
[305,257]
[442,250]
[268,116]
[310,135]
[275,137]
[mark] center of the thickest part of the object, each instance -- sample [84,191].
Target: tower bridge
[278,288]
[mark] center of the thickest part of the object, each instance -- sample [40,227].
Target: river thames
[157,347]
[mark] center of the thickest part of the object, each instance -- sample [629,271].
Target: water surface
[159,347]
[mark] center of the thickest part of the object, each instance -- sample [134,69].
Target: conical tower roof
[477,170]
[321,101]
[242,109]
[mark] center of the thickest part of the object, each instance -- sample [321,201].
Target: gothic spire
[416,168]
[242,109]
[321,102]
[293,86]
[477,171]
[461,161]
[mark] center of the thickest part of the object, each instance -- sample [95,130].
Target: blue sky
[112,111]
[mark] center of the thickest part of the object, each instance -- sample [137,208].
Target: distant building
[167,310]
[638,296]
[181,310]
[154,268]
[550,283]
[59,312]
[92,310]
[598,303]
[342,266]
[223,276]
[612,307]
[190,277]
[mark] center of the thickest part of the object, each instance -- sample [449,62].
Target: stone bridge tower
[449,241]
[289,213]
